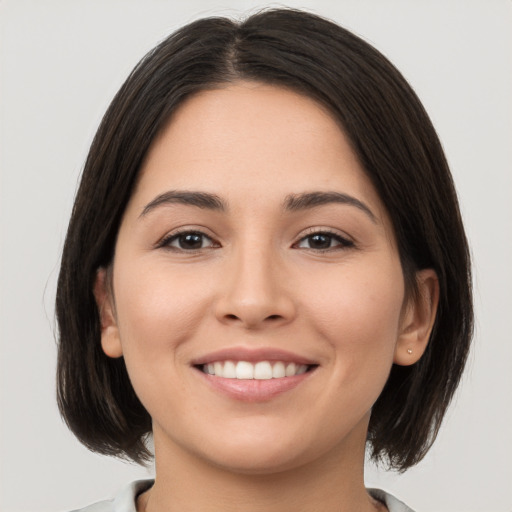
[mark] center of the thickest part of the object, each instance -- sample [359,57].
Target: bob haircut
[397,146]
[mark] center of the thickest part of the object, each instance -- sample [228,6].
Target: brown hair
[397,146]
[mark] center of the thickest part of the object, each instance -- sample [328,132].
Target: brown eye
[320,241]
[188,241]
[323,241]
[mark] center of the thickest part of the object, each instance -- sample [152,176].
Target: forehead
[253,140]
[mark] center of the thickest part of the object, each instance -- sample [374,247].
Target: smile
[253,374]
[261,370]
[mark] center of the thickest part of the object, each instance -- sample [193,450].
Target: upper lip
[252,355]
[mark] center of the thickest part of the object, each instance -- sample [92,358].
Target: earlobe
[110,340]
[418,319]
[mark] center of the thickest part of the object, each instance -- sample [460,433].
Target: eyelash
[342,243]
[166,242]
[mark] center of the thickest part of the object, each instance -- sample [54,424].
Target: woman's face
[255,246]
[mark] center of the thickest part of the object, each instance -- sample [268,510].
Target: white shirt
[125,501]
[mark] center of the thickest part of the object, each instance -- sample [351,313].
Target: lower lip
[254,390]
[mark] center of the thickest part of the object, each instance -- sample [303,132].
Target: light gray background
[62,61]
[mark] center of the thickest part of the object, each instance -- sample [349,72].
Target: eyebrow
[203,200]
[292,203]
[296,202]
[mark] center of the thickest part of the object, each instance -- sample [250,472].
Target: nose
[256,291]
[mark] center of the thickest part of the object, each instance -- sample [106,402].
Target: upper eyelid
[324,230]
[190,228]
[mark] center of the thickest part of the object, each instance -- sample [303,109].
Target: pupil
[320,241]
[190,241]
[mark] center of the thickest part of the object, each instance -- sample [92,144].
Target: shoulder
[123,502]
[393,504]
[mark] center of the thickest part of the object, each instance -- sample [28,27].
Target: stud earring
[409,350]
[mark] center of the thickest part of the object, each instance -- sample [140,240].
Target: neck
[187,483]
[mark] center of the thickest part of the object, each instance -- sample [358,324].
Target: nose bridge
[254,293]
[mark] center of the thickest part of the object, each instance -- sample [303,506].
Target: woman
[265,269]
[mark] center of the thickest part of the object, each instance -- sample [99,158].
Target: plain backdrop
[62,61]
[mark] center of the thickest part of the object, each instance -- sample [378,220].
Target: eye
[322,241]
[188,241]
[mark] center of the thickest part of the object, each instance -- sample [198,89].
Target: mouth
[261,370]
[255,374]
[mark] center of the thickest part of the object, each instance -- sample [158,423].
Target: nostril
[272,318]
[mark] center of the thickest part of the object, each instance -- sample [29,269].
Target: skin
[256,281]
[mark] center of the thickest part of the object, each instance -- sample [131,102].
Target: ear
[418,319]
[110,340]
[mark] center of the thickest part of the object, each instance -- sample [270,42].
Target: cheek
[158,312]
[157,307]
[358,314]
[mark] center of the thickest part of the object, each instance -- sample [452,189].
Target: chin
[256,448]
[258,460]
[264,449]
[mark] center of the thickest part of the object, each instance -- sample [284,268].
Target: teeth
[290,369]
[301,369]
[229,370]
[244,370]
[278,371]
[262,370]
